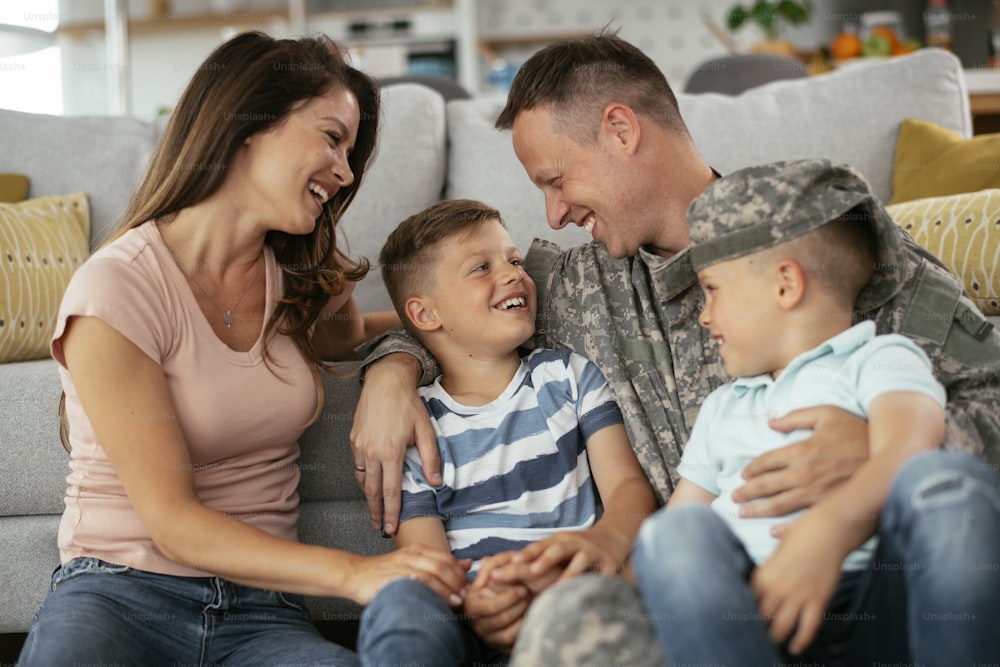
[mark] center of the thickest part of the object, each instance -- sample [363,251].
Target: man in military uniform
[596,126]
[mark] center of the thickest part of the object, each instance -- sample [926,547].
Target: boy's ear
[790,283]
[421,315]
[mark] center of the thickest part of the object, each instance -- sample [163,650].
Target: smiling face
[294,167]
[480,298]
[594,185]
[741,313]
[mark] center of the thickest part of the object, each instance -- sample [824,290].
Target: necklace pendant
[228,319]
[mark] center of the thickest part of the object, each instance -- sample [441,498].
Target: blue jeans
[409,623]
[931,595]
[103,614]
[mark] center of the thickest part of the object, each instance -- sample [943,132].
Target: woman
[188,347]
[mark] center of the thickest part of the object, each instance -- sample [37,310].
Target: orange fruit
[845,45]
[889,34]
[902,48]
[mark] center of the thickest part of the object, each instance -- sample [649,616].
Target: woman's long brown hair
[249,84]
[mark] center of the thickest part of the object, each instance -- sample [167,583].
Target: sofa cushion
[103,156]
[326,462]
[13,188]
[932,161]
[963,231]
[28,554]
[482,165]
[851,115]
[406,176]
[35,463]
[44,241]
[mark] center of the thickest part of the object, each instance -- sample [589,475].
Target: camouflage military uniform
[637,319]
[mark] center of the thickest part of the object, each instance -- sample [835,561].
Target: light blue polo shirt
[847,371]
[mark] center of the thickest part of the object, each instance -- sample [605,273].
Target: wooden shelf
[984,103]
[527,39]
[984,91]
[174,23]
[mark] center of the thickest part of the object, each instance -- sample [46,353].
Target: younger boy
[524,441]
[782,252]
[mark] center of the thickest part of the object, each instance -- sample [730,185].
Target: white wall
[672,32]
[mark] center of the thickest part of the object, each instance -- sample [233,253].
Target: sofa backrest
[103,156]
[851,115]
[406,176]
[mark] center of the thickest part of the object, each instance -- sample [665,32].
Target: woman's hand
[438,569]
[797,476]
[389,418]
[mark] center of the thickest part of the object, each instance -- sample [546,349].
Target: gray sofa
[428,150]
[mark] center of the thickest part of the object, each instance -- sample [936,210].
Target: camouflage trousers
[589,621]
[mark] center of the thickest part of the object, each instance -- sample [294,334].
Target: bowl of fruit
[879,36]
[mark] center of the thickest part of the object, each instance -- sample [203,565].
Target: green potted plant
[770,16]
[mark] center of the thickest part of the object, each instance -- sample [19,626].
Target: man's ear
[620,124]
[421,315]
[790,283]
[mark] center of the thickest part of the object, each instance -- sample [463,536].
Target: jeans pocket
[84,565]
[292,601]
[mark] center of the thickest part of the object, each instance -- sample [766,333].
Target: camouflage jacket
[637,319]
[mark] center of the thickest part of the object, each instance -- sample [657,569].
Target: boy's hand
[496,609]
[796,583]
[799,475]
[559,557]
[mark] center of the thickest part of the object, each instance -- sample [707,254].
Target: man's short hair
[578,78]
[409,256]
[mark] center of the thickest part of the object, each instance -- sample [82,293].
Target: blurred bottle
[937,20]
[994,44]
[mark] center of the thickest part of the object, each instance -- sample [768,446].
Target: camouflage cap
[759,207]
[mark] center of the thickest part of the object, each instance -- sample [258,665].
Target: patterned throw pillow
[42,242]
[963,231]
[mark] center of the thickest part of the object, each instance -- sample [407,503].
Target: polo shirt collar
[842,344]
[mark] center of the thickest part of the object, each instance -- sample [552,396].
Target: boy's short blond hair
[840,255]
[408,258]
[761,207]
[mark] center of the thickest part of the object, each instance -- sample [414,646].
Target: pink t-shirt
[241,422]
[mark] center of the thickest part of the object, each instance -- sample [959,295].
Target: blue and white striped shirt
[515,470]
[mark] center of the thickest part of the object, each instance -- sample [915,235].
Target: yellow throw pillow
[963,231]
[42,242]
[933,162]
[13,187]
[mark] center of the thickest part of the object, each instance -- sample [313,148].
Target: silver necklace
[227,315]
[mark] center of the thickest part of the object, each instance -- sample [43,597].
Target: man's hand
[389,418]
[797,476]
[496,609]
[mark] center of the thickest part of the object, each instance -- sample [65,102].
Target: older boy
[782,252]
[523,440]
